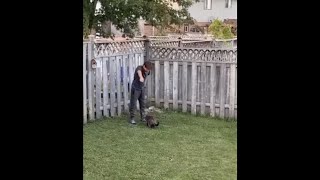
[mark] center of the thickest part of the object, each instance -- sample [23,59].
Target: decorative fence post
[84,82]
[147,58]
[147,47]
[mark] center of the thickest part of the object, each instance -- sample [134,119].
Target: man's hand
[141,79]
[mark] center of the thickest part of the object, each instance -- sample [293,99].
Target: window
[186,28]
[194,29]
[228,3]
[207,4]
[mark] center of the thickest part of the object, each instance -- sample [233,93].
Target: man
[138,90]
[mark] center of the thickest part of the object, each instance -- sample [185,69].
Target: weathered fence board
[90,79]
[232,89]
[131,69]
[105,87]
[166,84]
[175,85]
[222,89]
[84,82]
[213,90]
[98,93]
[184,86]
[203,88]
[125,82]
[112,85]
[157,81]
[137,63]
[193,88]
[118,83]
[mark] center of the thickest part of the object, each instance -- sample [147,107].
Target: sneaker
[132,121]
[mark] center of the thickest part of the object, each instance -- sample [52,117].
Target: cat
[151,121]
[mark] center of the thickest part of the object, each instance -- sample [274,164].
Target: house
[203,13]
[207,10]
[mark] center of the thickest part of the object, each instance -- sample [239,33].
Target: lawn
[182,147]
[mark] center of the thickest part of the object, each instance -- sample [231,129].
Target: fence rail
[185,37]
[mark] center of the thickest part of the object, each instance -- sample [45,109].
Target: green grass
[182,147]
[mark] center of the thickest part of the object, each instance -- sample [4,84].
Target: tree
[124,14]
[220,30]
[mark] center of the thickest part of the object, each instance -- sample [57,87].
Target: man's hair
[148,65]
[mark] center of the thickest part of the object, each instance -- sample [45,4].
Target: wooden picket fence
[200,81]
[107,83]
[196,80]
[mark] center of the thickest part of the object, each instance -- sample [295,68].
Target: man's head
[147,66]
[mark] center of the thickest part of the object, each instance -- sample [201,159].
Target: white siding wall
[218,10]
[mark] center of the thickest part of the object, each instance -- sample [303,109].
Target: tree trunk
[106,27]
[92,31]
[92,17]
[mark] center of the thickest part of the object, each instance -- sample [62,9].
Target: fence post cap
[146,38]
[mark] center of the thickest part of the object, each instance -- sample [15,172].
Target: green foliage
[161,33]
[124,14]
[85,19]
[220,30]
